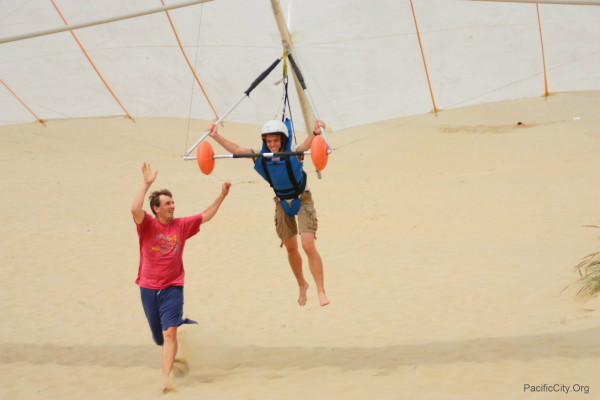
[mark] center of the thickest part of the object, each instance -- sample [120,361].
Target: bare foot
[302,296]
[166,385]
[323,299]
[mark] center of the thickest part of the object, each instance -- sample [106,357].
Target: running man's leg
[168,356]
[171,313]
[151,310]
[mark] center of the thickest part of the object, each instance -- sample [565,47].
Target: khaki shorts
[286,226]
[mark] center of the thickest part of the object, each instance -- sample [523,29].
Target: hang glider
[365,61]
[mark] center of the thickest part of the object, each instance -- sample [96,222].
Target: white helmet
[275,127]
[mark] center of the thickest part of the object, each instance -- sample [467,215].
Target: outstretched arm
[304,146]
[214,207]
[138,202]
[228,145]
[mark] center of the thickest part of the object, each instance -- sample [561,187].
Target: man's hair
[155,198]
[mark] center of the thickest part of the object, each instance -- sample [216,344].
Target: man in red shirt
[161,274]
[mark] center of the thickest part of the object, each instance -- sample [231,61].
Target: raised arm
[228,145]
[138,201]
[304,146]
[214,207]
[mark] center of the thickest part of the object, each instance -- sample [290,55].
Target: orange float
[204,157]
[318,152]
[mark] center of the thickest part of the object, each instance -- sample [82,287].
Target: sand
[446,242]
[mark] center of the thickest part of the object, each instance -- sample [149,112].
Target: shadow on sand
[583,344]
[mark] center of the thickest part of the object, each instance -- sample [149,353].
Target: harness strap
[266,170]
[292,209]
[295,190]
[290,171]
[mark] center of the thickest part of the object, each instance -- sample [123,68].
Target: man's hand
[213,129]
[225,188]
[318,125]
[210,212]
[149,176]
[138,201]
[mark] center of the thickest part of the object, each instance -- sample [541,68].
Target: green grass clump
[589,276]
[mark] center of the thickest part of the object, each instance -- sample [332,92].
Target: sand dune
[446,240]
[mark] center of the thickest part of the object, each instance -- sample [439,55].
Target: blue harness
[286,176]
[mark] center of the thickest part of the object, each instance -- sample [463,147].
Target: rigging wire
[187,135]
[285,100]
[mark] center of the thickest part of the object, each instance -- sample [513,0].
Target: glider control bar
[206,156]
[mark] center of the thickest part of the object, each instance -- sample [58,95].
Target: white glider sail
[361,60]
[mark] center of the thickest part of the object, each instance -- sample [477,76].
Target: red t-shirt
[161,250]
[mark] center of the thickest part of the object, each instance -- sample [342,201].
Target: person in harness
[295,213]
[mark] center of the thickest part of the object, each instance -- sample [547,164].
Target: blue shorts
[163,309]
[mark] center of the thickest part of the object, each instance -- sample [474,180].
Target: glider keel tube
[309,97]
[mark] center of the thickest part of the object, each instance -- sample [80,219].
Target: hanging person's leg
[308,225]
[287,231]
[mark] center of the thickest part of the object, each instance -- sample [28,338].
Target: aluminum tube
[187,153]
[563,2]
[100,22]
[250,155]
